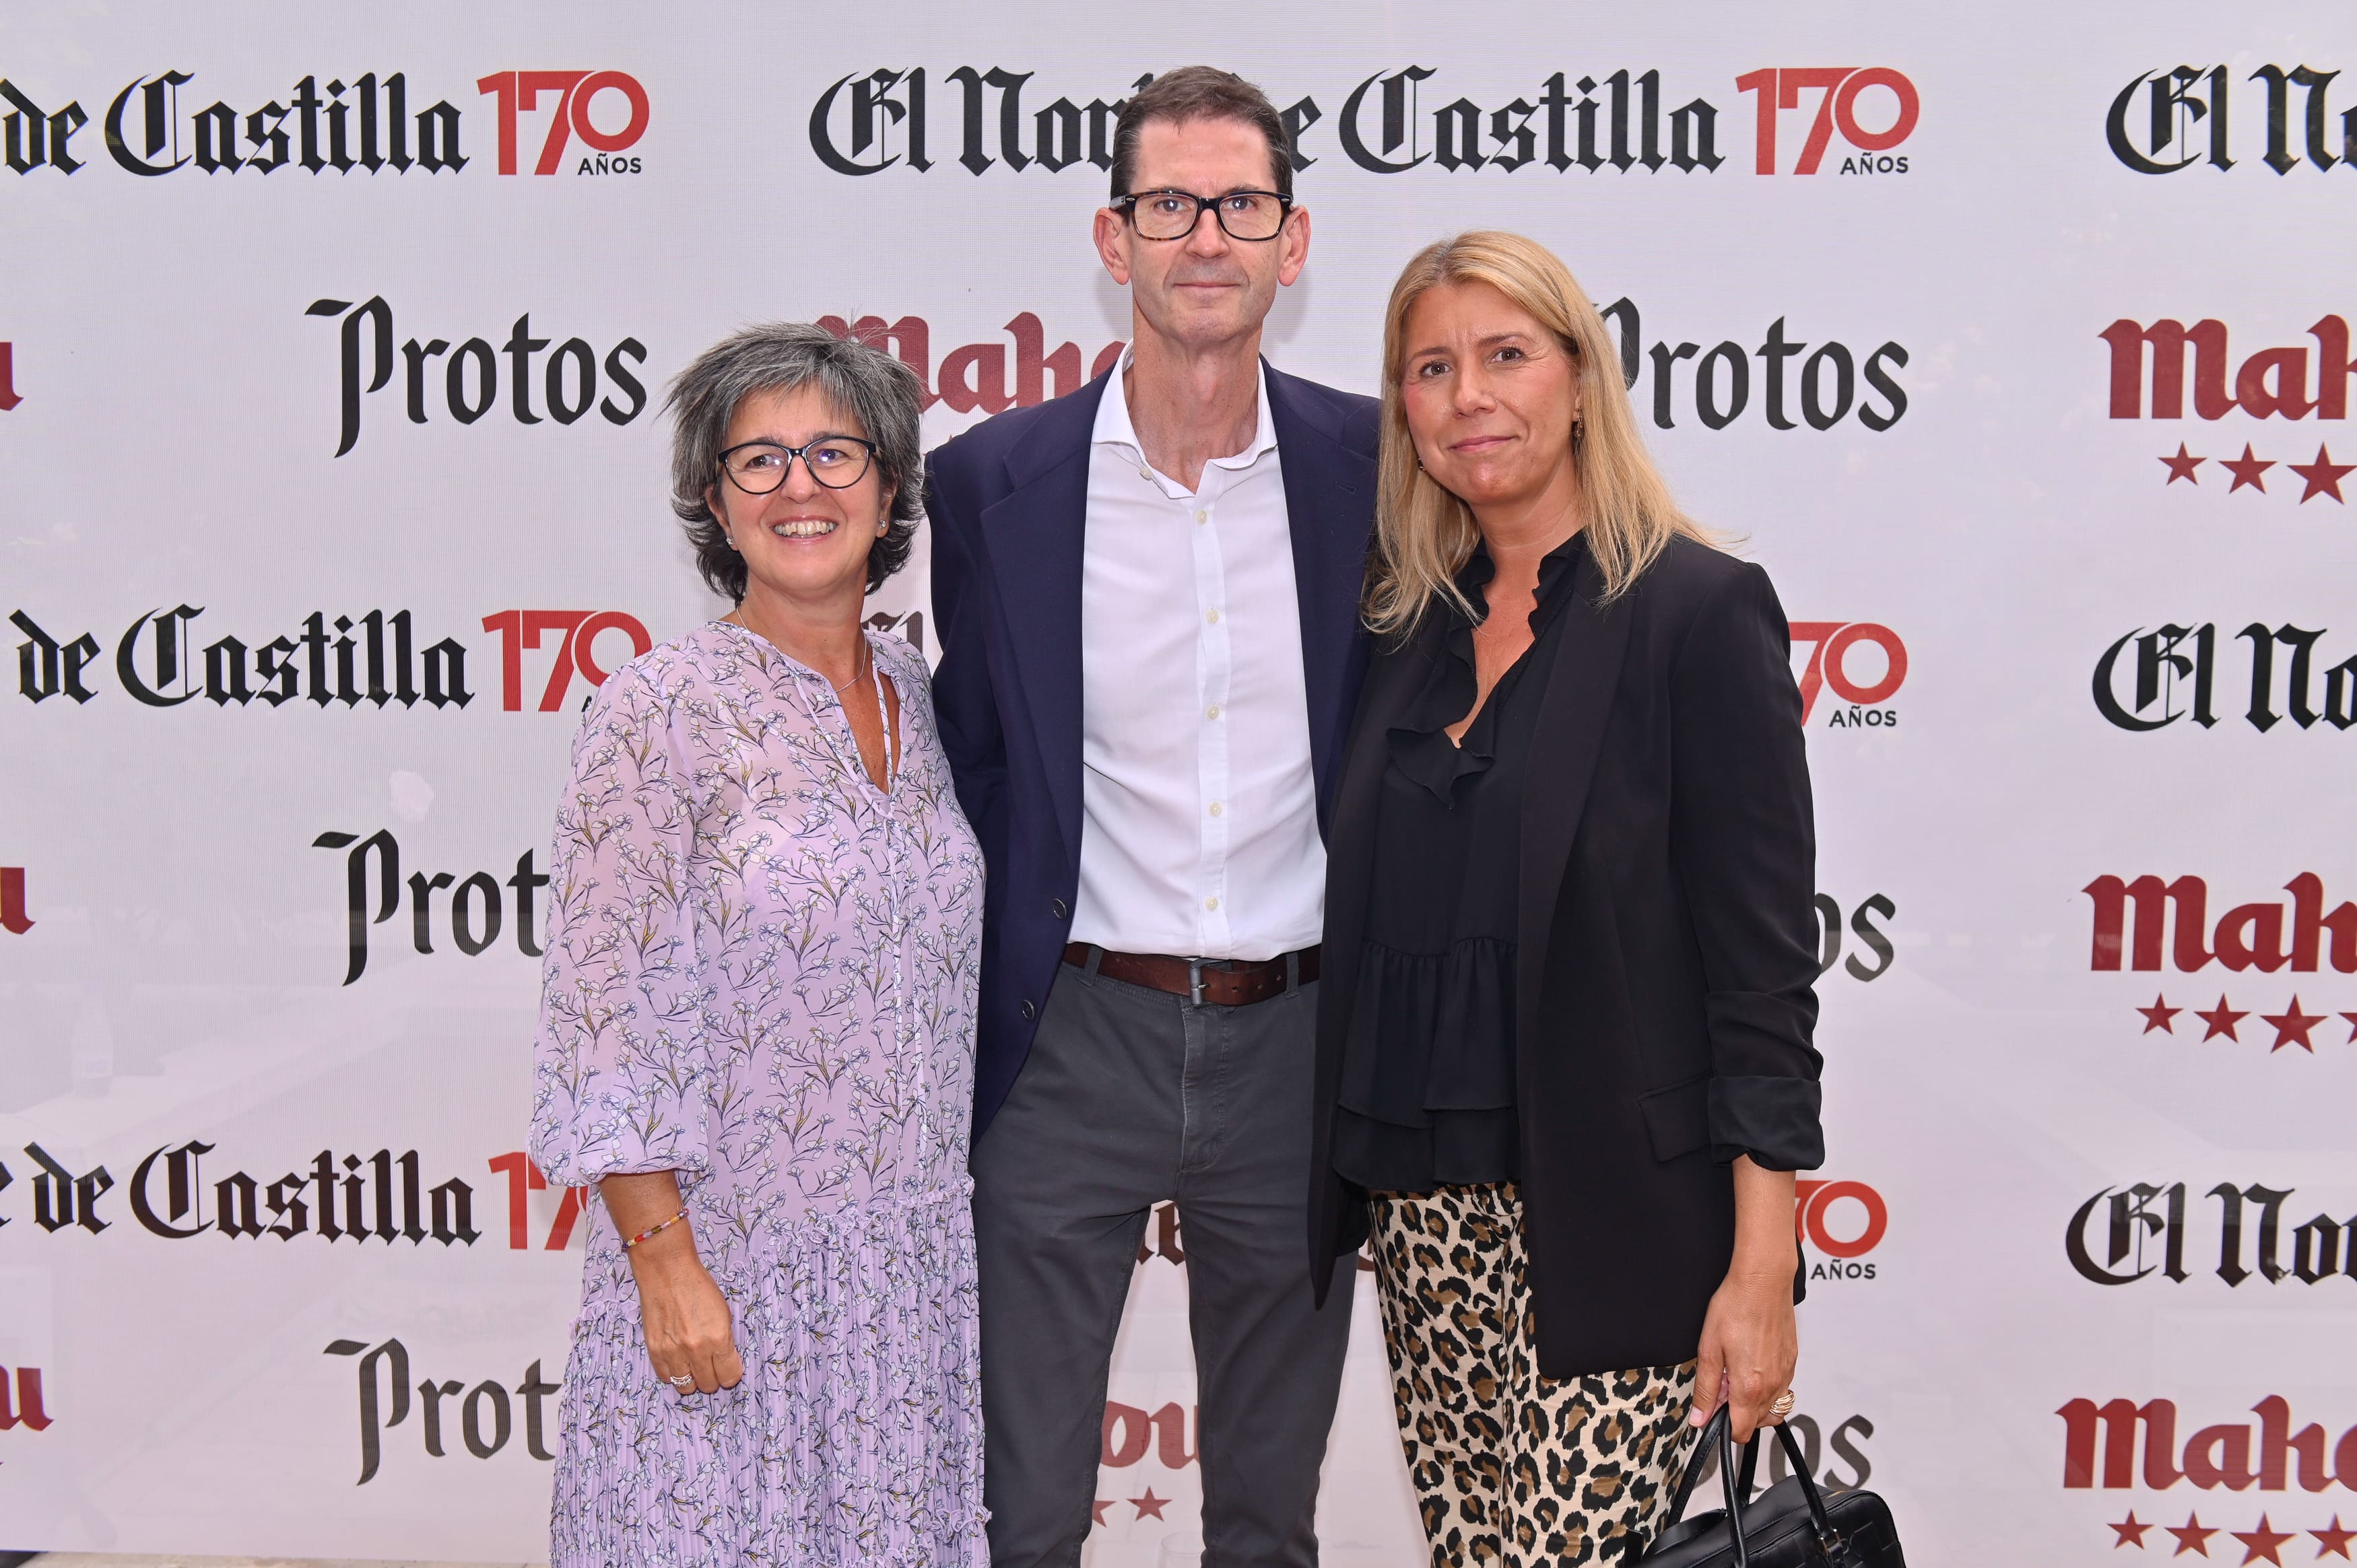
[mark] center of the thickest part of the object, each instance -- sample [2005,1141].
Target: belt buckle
[1195,981]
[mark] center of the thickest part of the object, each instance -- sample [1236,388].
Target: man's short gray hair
[874,388]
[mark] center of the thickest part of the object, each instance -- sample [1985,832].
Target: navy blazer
[1009,503]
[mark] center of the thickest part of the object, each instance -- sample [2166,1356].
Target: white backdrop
[2042,1197]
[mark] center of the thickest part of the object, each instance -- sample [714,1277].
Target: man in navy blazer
[1147,596]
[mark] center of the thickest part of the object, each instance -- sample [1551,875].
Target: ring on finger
[1783,1405]
[684,1380]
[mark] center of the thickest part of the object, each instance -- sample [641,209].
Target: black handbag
[1791,1525]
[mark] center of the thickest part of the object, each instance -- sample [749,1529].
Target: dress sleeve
[621,1065]
[1744,837]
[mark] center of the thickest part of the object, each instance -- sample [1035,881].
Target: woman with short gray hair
[755,1038]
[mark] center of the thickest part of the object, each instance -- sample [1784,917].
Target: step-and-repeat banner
[2015,341]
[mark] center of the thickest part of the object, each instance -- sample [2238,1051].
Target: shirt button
[1215,808]
[1212,617]
[1203,517]
[1212,711]
[1029,1011]
[1145,473]
[1210,903]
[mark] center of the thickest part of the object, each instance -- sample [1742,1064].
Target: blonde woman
[1565,1071]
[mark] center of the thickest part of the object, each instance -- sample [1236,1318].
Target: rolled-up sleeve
[621,1063]
[1744,838]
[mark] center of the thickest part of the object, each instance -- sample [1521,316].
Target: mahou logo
[575,93]
[1843,105]
[26,1409]
[2124,1234]
[2170,119]
[2148,925]
[13,919]
[9,398]
[988,377]
[1862,680]
[2272,384]
[2150,678]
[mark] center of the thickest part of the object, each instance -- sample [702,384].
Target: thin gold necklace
[866,663]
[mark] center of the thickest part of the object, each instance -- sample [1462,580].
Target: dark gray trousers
[1131,1097]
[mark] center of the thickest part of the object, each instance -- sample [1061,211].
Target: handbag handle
[1829,1540]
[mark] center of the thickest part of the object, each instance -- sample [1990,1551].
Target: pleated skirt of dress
[854,1438]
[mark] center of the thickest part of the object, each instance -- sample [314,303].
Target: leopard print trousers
[1512,1469]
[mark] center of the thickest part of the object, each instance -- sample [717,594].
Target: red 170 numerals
[523,1176]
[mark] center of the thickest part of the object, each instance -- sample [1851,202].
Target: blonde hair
[1425,535]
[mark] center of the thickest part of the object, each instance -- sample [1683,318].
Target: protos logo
[485,1419]
[470,377]
[1839,88]
[1843,1219]
[472,917]
[1830,645]
[518,94]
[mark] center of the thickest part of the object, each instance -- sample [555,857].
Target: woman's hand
[689,1331]
[1750,1341]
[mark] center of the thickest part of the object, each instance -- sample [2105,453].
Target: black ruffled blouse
[1428,1081]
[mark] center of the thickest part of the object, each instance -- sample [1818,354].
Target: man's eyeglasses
[757,467]
[1173,214]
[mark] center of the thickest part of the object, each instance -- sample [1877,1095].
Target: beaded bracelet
[654,1231]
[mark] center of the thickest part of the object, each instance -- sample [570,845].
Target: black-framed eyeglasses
[1173,214]
[757,467]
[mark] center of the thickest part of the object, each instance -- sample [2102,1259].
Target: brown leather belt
[1223,982]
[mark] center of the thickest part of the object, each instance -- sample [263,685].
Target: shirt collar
[1113,427]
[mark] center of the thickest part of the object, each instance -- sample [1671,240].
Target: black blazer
[1667,950]
[1007,505]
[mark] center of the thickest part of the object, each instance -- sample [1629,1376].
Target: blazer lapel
[1035,535]
[1392,680]
[1564,750]
[1327,511]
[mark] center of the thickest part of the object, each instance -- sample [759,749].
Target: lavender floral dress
[760,973]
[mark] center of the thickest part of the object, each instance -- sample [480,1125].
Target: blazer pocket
[1677,1119]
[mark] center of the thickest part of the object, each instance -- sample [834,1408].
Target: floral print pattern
[760,973]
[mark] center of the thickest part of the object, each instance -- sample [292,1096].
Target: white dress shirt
[1199,808]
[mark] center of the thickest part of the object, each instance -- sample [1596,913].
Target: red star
[2192,1538]
[2323,476]
[1099,1507]
[2221,1021]
[2294,1026]
[2131,1533]
[2160,1015]
[2352,1027]
[2247,471]
[2181,466]
[2336,1540]
[2263,1541]
[1149,1506]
